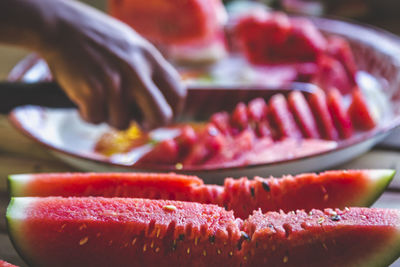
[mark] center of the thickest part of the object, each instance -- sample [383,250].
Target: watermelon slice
[339,114]
[57,231]
[283,118]
[172,21]
[352,237]
[318,104]
[303,115]
[360,113]
[6,264]
[330,189]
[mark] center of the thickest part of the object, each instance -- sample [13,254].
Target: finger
[118,111]
[91,102]
[168,81]
[151,102]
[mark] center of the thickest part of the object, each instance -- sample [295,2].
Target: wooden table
[20,155]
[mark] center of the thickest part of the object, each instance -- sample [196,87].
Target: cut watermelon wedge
[6,264]
[360,113]
[331,189]
[99,231]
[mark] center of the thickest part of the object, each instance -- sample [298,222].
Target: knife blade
[208,98]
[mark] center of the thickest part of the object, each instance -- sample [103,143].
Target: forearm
[25,23]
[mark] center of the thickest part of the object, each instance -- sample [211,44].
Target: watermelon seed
[324,245]
[62,227]
[134,241]
[231,253]
[346,209]
[252,191]
[157,249]
[181,237]
[245,236]
[174,245]
[211,238]
[83,241]
[169,208]
[218,251]
[196,241]
[179,166]
[204,253]
[152,244]
[144,247]
[158,232]
[188,251]
[285,259]
[245,258]
[265,186]
[326,197]
[335,218]
[83,226]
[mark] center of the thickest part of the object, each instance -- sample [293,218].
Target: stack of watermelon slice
[250,131]
[92,219]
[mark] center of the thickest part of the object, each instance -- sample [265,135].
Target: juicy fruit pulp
[172,21]
[286,127]
[135,232]
[273,38]
[331,189]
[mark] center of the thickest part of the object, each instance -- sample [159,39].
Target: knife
[208,98]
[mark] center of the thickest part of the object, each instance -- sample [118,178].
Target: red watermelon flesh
[172,21]
[99,231]
[274,38]
[359,112]
[331,189]
[122,232]
[6,264]
[340,49]
[318,104]
[282,117]
[303,115]
[352,237]
[339,114]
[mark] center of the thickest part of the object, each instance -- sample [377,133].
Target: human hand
[107,69]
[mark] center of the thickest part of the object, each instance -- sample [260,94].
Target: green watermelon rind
[17,184]
[379,181]
[14,218]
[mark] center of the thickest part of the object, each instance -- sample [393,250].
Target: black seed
[336,218]
[211,238]
[253,193]
[174,245]
[245,236]
[266,187]
[181,237]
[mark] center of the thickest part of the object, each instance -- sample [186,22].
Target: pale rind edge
[17,184]
[15,215]
[379,180]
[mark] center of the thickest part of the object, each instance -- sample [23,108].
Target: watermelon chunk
[6,264]
[351,237]
[283,118]
[303,115]
[57,231]
[339,114]
[318,104]
[173,21]
[330,189]
[359,112]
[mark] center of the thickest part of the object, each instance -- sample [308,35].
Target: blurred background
[381,13]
